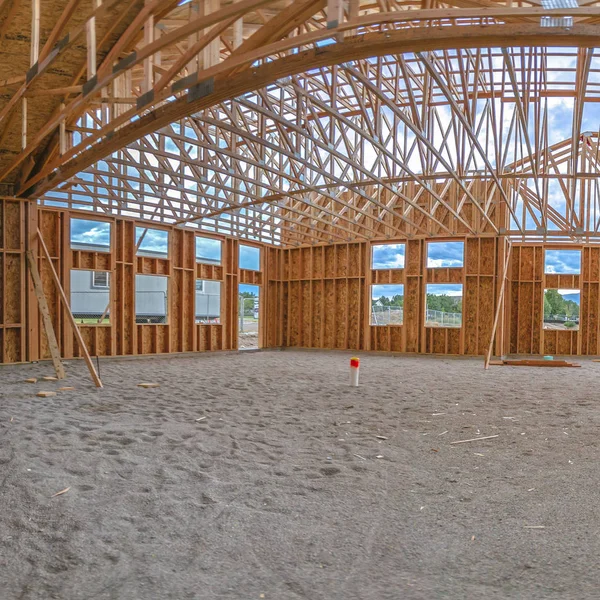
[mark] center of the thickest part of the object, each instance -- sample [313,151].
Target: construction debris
[46,394]
[31,380]
[49,378]
[148,385]
[485,437]
[66,388]
[529,362]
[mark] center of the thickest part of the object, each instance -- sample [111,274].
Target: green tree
[556,303]
[556,306]
[444,303]
[547,306]
[397,300]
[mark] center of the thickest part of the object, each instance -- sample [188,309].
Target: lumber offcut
[539,363]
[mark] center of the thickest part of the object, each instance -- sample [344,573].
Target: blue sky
[90,232]
[389,291]
[208,248]
[448,289]
[563,261]
[155,240]
[249,257]
[388,256]
[445,254]
[253,289]
[574,295]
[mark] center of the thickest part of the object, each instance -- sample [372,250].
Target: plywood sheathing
[13,333]
[122,336]
[528,282]
[313,297]
[68,68]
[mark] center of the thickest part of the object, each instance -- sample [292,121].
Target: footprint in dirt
[330,471]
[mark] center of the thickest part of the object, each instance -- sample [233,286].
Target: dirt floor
[294,485]
[247,340]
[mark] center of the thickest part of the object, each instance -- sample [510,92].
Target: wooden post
[45,312]
[24,123]
[488,356]
[35,32]
[82,346]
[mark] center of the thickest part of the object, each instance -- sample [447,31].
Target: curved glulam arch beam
[121,131]
[319,86]
[297,214]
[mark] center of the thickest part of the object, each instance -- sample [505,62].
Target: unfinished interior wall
[326,298]
[13,326]
[323,296]
[315,316]
[22,335]
[528,282]
[311,297]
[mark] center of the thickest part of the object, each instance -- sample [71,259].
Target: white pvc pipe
[354,368]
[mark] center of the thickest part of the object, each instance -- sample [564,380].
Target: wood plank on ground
[530,362]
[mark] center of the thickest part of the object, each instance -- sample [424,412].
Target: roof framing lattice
[316,121]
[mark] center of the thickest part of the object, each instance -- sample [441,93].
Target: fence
[394,315]
[443,319]
[248,314]
[560,318]
[208,308]
[387,315]
[91,306]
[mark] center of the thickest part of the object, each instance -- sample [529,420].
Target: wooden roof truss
[316,121]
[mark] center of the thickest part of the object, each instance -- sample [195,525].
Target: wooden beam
[499,308]
[67,307]
[370,45]
[46,318]
[35,31]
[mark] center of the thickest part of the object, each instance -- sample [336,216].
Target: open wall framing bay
[313,297]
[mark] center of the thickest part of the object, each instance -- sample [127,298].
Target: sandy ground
[560,327]
[284,490]
[247,340]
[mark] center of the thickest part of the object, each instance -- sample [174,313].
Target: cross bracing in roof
[310,122]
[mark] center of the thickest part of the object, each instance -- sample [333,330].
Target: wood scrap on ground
[66,388]
[61,492]
[31,380]
[486,437]
[532,362]
[148,385]
[45,394]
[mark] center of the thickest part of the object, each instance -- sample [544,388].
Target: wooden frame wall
[13,310]
[528,282]
[325,292]
[24,339]
[311,297]
[310,306]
